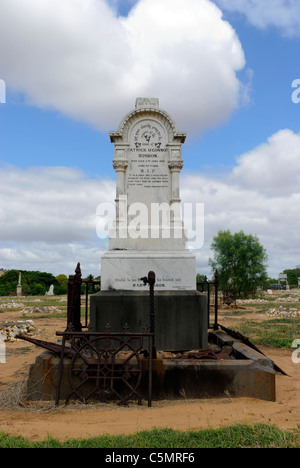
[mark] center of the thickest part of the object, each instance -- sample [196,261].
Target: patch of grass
[239,436]
[278,333]
[57,315]
[236,312]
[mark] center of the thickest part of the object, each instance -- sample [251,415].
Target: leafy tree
[33,282]
[270,281]
[292,276]
[62,284]
[200,278]
[8,282]
[37,289]
[240,260]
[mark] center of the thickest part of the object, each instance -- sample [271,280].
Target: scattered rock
[288,299]
[40,310]
[282,312]
[251,301]
[10,330]
[12,305]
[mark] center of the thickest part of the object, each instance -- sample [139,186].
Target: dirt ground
[36,420]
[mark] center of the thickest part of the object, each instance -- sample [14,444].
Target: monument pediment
[148,108]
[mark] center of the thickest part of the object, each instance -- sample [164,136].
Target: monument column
[149,235]
[121,199]
[175,207]
[19,286]
[120,168]
[175,168]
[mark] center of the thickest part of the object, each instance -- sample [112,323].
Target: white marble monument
[19,285]
[51,291]
[148,233]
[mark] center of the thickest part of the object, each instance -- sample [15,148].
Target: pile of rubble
[40,310]
[11,305]
[9,330]
[288,299]
[282,312]
[251,301]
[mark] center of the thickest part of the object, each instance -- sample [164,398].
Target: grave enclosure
[147,247]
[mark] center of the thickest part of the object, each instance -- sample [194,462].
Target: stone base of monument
[180,316]
[174,270]
[247,373]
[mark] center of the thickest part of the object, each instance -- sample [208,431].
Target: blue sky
[33,136]
[43,126]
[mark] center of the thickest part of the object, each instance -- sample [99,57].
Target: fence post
[74,301]
[151,281]
[216,299]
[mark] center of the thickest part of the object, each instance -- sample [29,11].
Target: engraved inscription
[148,157]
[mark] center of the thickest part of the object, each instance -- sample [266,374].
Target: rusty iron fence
[75,287]
[211,288]
[108,364]
[76,284]
[105,365]
[90,286]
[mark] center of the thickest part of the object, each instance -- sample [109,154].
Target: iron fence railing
[211,288]
[105,365]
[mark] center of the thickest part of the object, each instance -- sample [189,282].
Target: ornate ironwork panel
[105,366]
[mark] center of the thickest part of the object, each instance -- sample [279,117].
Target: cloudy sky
[228,72]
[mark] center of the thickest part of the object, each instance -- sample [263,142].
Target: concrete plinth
[180,316]
[247,374]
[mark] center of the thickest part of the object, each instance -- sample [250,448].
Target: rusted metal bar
[52,347]
[208,300]
[247,342]
[93,283]
[207,284]
[205,354]
[60,373]
[150,279]
[216,283]
[150,370]
[74,301]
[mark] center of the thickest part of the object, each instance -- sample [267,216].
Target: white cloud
[80,58]
[272,168]
[56,259]
[48,219]
[274,219]
[52,205]
[48,215]
[282,14]
[260,196]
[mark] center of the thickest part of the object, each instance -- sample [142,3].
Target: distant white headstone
[282,276]
[19,285]
[51,291]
